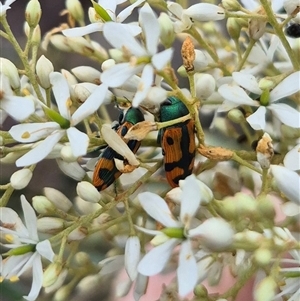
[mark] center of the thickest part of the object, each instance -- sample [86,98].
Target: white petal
[290,209]
[45,250]
[257,120]
[14,264]
[79,141]
[150,26]
[190,199]
[73,169]
[127,11]
[140,287]
[292,158]
[155,260]
[144,85]
[288,182]
[40,151]
[247,81]
[37,280]
[236,94]
[18,107]
[61,93]
[92,103]
[205,12]
[161,59]
[214,233]
[150,232]
[132,256]
[175,8]
[9,216]
[119,37]
[30,132]
[157,208]
[187,272]
[119,74]
[286,114]
[84,30]
[30,218]
[288,86]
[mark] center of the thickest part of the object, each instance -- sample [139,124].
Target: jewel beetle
[106,172]
[177,141]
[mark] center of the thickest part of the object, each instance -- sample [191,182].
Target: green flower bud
[236,116]
[266,209]
[167,34]
[201,291]
[42,205]
[33,13]
[51,273]
[262,256]
[265,290]
[181,71]
[264,97]
[233,28]
[231,5]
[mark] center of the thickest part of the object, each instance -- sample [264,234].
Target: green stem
[246,54]
[279,32]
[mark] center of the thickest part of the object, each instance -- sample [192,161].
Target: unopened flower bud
[78,234]
[266,209]
[205,85]
[80,45]
[201,292]
[231,5]
[236,116]
[57,198]
[60,42]
[84,207]
[265,151]
[88,192]
[33,13]
[43,69]
[107,64]
[50,225]
[75,9]
[42,205]
[73,169]
[82,258]
[21,178]
[87,74]
[66,154]
[93,16]
[201,61]
[132,256]
[233,28]
[181,71]
[51,273]
[205,12]
[11,72]
[262,256]
[63,293]
[81,92]
[265,290]
[167,34]
[36,36]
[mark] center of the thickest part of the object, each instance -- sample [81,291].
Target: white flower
[26,249]
[288,182]
[53,131]
[19,108]
[235,95]
[142,59]
[110,8]
[252,4]
[183,18]
[292,158]
[4,7]
[213,233]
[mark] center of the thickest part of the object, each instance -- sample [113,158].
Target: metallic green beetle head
[172,108]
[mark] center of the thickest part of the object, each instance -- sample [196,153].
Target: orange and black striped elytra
[106,172]
[177,141]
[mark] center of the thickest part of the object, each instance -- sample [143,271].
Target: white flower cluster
[234,207]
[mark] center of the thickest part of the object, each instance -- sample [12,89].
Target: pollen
[14,278]
[9,238]
[25,135]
